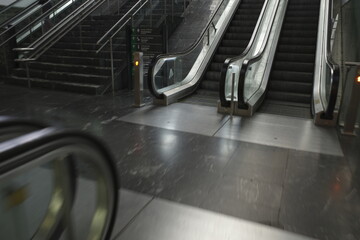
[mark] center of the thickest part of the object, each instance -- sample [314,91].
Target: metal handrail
[228,61]
[23,12]
[43,15]
[121,27]
[182,53]
[247,63]
[118,22]
[63,23]
[45,42]
[335,70]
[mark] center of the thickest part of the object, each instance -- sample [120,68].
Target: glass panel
[63,198]
[24,201]
[172,72]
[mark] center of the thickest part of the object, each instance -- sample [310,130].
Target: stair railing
[108,38]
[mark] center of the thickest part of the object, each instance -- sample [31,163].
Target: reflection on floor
[313,192]
[159,219]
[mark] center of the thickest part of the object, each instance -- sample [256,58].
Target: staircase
[291,80]
[72,64]
[234,42]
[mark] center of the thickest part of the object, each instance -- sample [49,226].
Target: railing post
[112,67]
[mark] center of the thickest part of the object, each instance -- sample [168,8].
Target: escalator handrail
[247,62]
[228,61]
[23,12]
[51,139]
[334,67]
[24,29]
[178,54]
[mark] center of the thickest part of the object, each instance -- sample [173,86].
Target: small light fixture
[358,79]
[137,63]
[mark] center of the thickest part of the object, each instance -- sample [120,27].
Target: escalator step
[244,29]
[237,36]
[296,19]
[297,41]
[296,49]
[220,58]
[210,85]
[294,87]
[292,76]
[295,57]
[230,50]
[289,97]
[212,76]
[234,43]
[300,26]
[302,34]
[294,66]
[216,67]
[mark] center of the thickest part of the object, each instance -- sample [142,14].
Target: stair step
[70,68]
[57,85]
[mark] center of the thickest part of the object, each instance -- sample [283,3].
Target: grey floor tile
[253,171]
[188,187]
[164,220]
[282,131]
[247,190]
[320,198]
[182,117]
[130,204]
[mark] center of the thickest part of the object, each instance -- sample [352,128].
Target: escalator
[193,75]
[55,183]
[233,43]
[291,79]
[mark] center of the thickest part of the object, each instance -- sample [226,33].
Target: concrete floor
[305,192]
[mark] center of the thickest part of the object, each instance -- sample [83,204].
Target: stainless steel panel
[281,131]
[182,117]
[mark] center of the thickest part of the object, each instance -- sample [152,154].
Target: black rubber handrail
[49,139]
[244,68]
[151,83]
[228,61]
[335,71]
